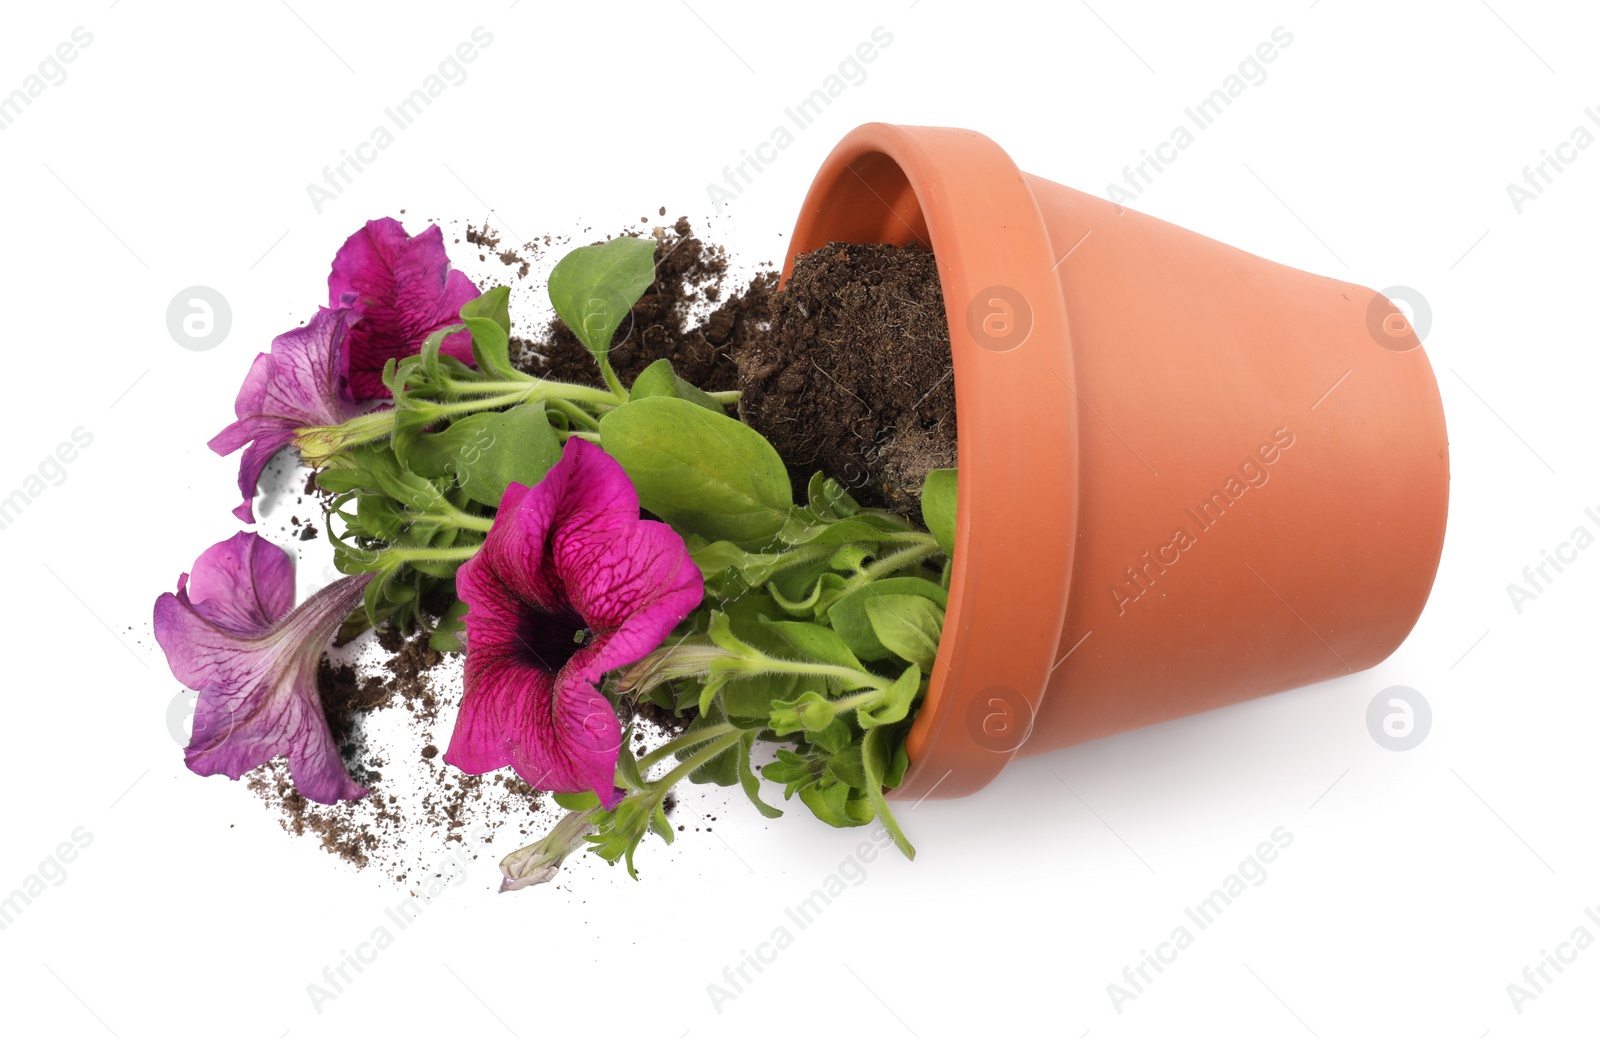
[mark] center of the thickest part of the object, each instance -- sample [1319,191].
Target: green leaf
[908,626]
[790,769]
[446,637]
[845,765]
[810,711]
[489,451]
[379,516]
[848,616]
[875,759]
[815,643]
[577,802]
[702,472]
[495,305]
[852,558]
[749,781]
[939,507]
[627,764]
[830,801]
[896,703]
[659,380]
[864,527]
[595,286]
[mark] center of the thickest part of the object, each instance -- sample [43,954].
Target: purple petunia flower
[569,585]
[297,385]
[405,291]
[232,634]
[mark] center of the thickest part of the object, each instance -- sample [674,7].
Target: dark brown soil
[690,275]
[853,376]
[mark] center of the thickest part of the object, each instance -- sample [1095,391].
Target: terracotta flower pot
[1189,476]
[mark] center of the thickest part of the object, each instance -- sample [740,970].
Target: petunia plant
[605,545]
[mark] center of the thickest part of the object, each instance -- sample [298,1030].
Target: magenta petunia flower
[405,291]
[569,585]
[232,634]
[297,385]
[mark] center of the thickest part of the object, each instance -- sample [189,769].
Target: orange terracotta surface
[1189,476]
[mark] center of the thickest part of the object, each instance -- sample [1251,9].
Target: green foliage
[939,507]
[704,473]
[821,619]
[594,287]
[659,380]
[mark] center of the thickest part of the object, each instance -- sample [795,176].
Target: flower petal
[405,290]
[253,662]
[557,731]
[297,384]
[243,585]
[568,554]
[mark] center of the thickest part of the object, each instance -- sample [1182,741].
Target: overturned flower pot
[1189,476]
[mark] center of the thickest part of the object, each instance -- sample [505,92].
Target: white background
[1378,150]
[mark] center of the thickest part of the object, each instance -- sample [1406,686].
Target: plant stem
[534,389]
[617,389]
[901,559]
[766,664]
[660,787]
[439,555]
[725,396]
[575,413]
[687,740]
[454,517]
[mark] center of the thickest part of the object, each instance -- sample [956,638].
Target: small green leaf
[659,380]
[853,557]
[848,615]
[627,764]
[749,780]
[908,626]
[489,451]
[863,527]
[875,758]
[939,507]
[577,802]
[446,637]
[896,703]
[816,643]
[702,472]
[495,305]
[810,711]
[595,286]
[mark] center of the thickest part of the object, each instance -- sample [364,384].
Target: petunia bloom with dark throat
[570,584]
[233,635]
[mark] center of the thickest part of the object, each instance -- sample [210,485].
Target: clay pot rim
[959,193]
